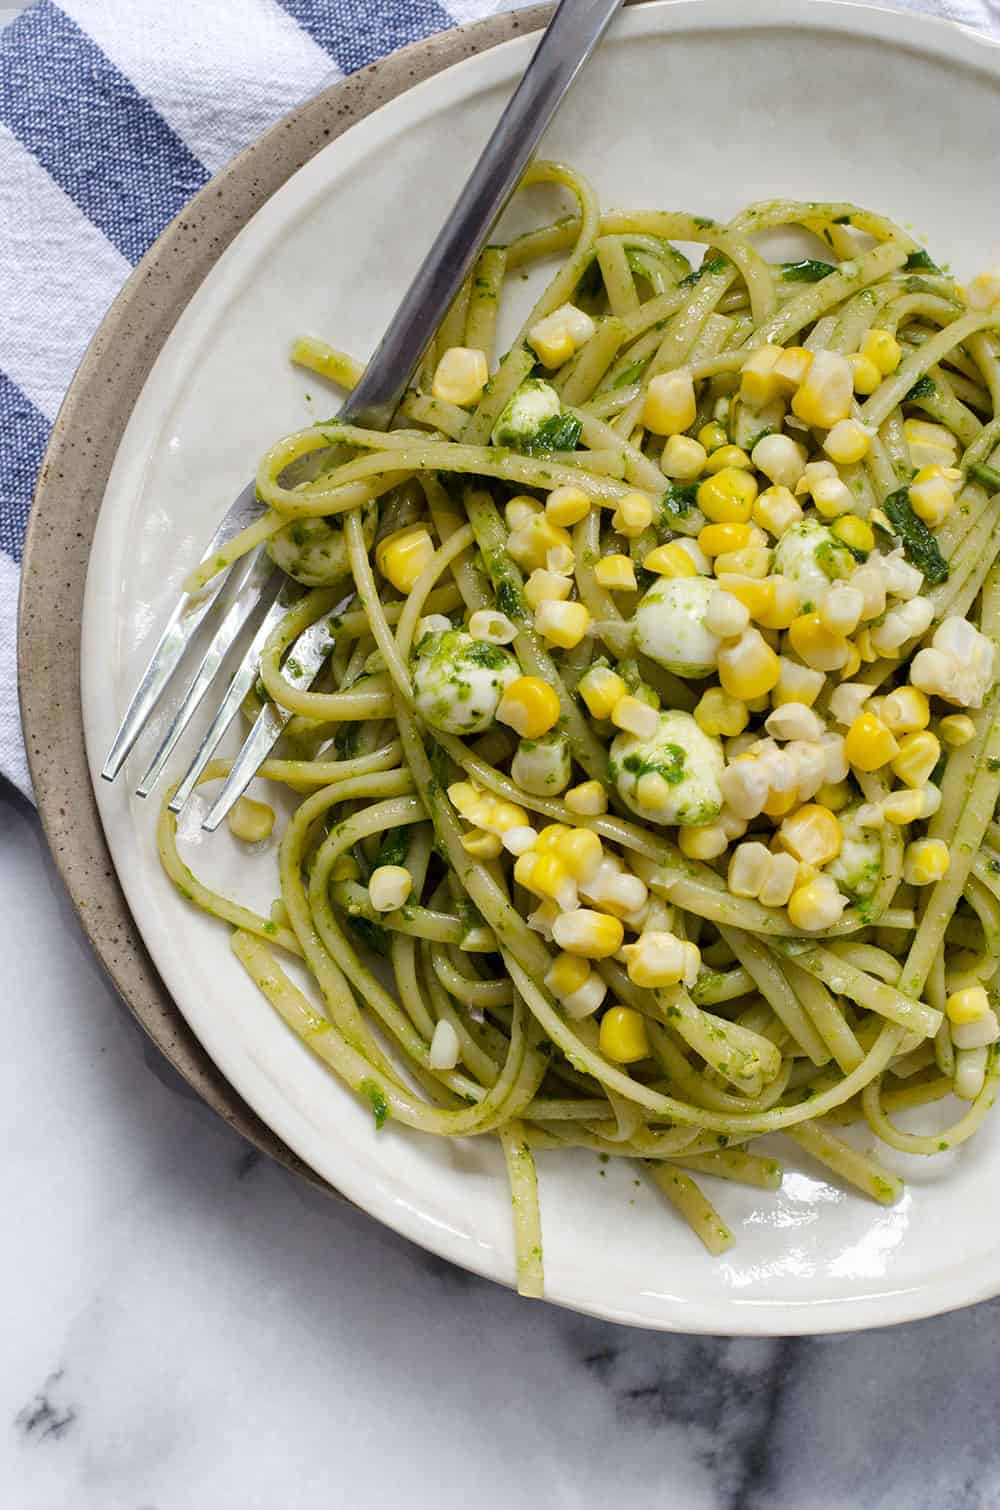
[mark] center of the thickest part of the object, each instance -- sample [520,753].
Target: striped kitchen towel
[112,114]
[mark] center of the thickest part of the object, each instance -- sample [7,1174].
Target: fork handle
[566,44]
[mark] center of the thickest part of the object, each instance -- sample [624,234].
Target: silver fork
[238,596]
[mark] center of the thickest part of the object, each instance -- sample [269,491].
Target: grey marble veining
[186,1326]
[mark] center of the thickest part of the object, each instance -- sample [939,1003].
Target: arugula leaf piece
[371,935]
[919,544]
[679,499]
[394,848]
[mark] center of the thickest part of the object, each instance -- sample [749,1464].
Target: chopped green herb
[923,388]
[375,1096]
[806,271]
[920,261]
[394,848]
[371,935]
[560,433]
[679,499]
[509,600]
[919,544]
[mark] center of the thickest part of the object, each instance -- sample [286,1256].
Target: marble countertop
[186,1325]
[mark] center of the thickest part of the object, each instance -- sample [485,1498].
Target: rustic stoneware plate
[700,105]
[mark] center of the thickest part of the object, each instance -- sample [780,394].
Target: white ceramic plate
[697,105]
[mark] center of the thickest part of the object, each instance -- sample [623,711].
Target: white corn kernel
[797,683]
[585,1000]
[520,510]
[903,622]
[493,627]
[841,608]
[835,762]
[781,459]
[635,717]
[832,498]
[726,616]
[388,887]
[976,1035]
[848,441]
[748,868]
[519,839]
[444,1047]
[846,701]
[745,787]
[779,881]
[794,721]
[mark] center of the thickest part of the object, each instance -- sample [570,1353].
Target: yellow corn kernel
[562,624]
[857,534]
[544,875]
[469,800]
[868,744]
[529,706]
[728,497]
[388,887]
[836,795]
[683,458]
[670,404]
[728,456]
[461,375]
[863,644]
[848,441]
[776,510]
[567,505]
[823,649]
[779,604]
[566,974]
[883,350]
[792,368]
[929,445]
[904,806]
[758,382]
[720,539]
[250,821]
[482,845]
[825,395]
[906,710]
[633,515]
[925,861]
[601,688]
[968,1005]
[755,561]
[866,375]
[918,754]
[712,436]
[956,730]
[780,803]
[797,684]
[505,816]
[623,1038]
[670,561]
[719,713]
[616,572]
[530,543]
[546,587]
[581,852]
[589,799]
[812,834]
[550,838]
[703,841]
[852,663]
[594,935]
[748,667]
[403,555]
[934,492]
[553,347]
[815,905]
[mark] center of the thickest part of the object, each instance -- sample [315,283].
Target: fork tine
[308,654]
[261,583]
[238,689]
[180,628]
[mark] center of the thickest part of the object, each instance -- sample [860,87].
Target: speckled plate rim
[70,490]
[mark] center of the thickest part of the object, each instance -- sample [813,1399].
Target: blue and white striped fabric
[112,114]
